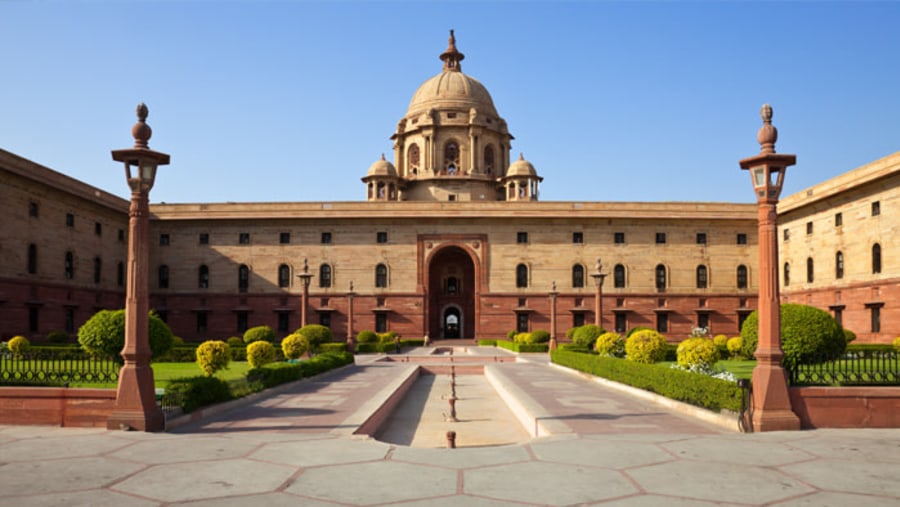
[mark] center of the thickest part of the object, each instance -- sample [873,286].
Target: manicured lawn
[740,369]
[164,372]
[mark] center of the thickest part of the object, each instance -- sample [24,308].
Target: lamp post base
[136,407]
[771,407]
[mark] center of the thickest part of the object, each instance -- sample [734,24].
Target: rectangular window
[577,319]
[703,320]
[381,237]
[741,239]
[876,208]
[578,238]
[380,323]
[163,240]
[875,314]
[621,322]
[284,238]
[70,320]
[809,228]
[619,238]
[838,219]
[522,322]
[283,322]
[521,237]
[662,322]
[742,316]
[70,220]
[244,238]
[121,234]
[201,323]
[32,209]
[33,319]
[701,238]
[787,234]
[325,319]
[326,238]
[241,322]
[660,238]
[839,316]
[203,239]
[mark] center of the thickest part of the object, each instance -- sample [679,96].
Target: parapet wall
[847,407]
[56,406]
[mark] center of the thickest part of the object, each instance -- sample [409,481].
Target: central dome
[451,89]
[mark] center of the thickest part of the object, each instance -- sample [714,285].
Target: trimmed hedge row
[196,392]
[523,347]
[273,374]
[487,343]
[699,390]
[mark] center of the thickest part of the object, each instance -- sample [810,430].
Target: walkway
[294,448]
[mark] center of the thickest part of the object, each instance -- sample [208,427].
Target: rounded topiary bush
[177,341]
[571,332]
[236,342]
[103,335]
[896,344]
[721,341]
[316,334]
[294,346]
[697,352]
[212,356]
[260,353]
[849,336]
[610,344]
[538,336]
[586,335]
[18,345]
[808,335]
[57,337]
[511,334]
[734,346]
[521,338]
[645,346]
[386,337]
[259,333]
[635,330]
[367,337]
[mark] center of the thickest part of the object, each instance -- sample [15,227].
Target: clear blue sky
[292,101]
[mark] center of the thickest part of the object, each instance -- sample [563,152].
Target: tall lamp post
[553,294]
[304,277]
[135,406]
[771,402]
[351,340]
[599,276]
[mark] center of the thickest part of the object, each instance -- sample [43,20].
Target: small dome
[382,168]
[521,167]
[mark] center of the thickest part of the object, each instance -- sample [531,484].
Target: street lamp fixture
[599,276]
[305,278]
[135,406]
[771,402]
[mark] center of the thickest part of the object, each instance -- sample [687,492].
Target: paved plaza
[293,445]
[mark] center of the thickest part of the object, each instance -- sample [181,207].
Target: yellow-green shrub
[897,344]
[734,346]
[646,346]
[18,345]
[697,352]
[212,356]
[721,341]
[294,346]
[260,353]
[521,338]
[235,342]
[610,344]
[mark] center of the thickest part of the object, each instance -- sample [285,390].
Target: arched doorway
[451,294]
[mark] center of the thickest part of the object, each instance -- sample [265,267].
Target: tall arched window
[577,276]
[810,274]
[284,276]
[876,259]
[839,265]
[69,266]
[381,276]
[324,276]
[120,274]
[660,277]
[98,269]
[451,157]
[489,159]
[521,276]
[32,258]
[243,278]
[702,277]
[787,273]
[412,159]
[742,277]
[163,277]
[203,277]
[619,276]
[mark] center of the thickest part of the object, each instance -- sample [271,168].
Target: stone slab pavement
[291,449]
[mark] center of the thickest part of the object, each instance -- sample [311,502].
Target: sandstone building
[450,240]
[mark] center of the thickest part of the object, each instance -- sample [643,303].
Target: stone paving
[286,450]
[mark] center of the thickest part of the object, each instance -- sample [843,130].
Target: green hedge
[57,352]
[866,347]
[487,343]
[332,347]
[523,347]
[693,388]
[372,348]
[196,392]
[273,374]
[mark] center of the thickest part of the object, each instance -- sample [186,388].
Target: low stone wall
[847,407]
[56,406]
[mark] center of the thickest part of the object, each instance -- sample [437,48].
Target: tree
[212,356]
[259,333]
[808,335]
[104,335]
[316,334]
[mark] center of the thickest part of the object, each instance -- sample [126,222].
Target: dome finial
[141,131]
[767,134]
[452,57]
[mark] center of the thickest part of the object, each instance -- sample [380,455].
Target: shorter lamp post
[598,275]
[135,406]
[304,277]
[351,340]
[771,401]
[553,294]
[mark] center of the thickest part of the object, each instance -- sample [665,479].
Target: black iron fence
[857,368]
[45,369]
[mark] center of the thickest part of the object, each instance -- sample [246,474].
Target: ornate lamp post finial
[141,131]
[768,134]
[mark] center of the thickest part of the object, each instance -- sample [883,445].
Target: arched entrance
[451,294]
